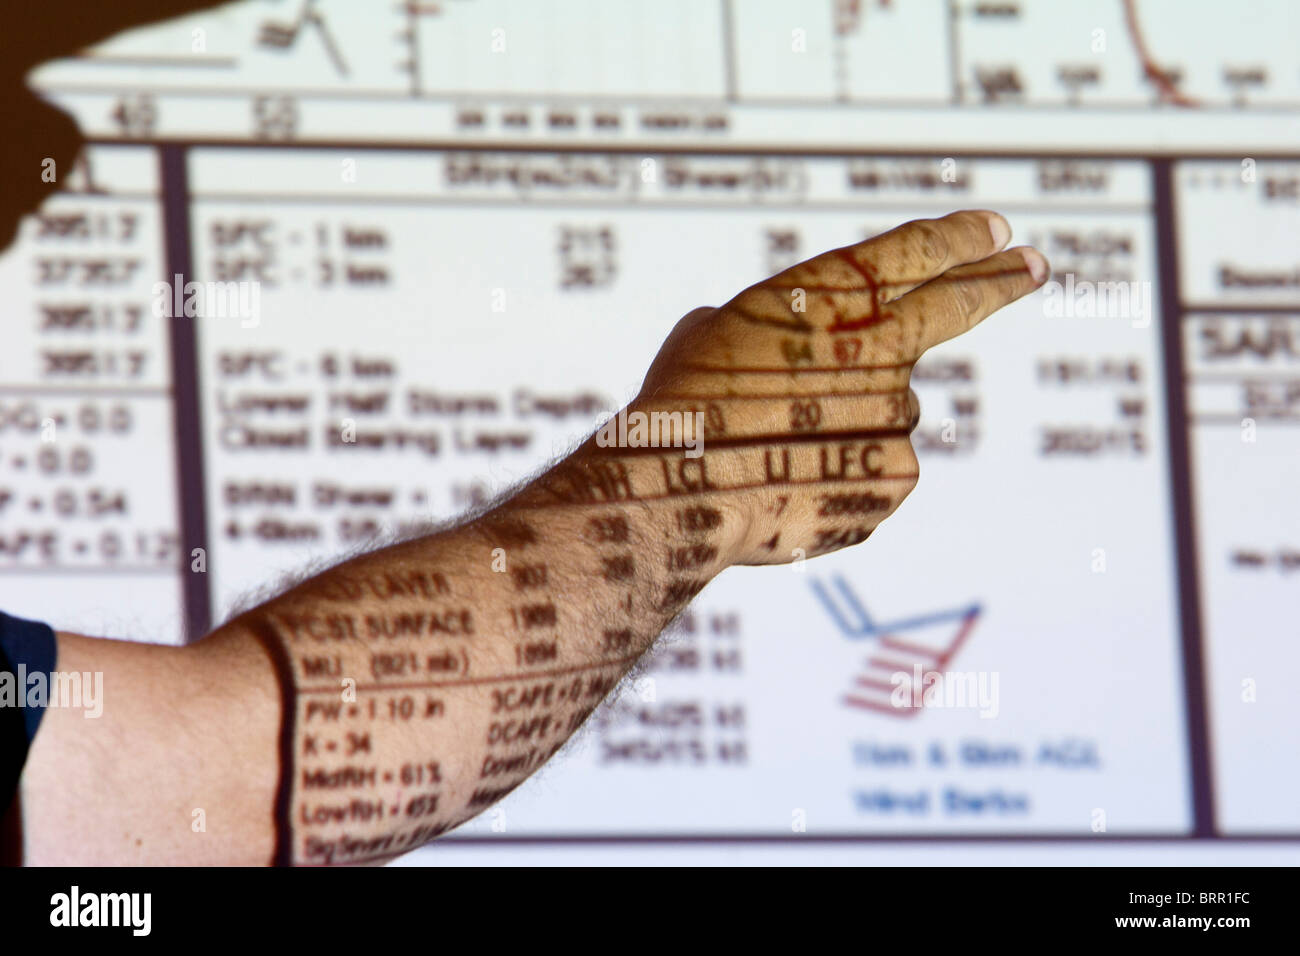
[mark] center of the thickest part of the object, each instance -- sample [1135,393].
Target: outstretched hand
[803,380]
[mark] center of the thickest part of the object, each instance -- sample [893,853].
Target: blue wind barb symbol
[916,665]
[864,626]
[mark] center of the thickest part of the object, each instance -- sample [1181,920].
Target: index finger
[963,297]
[895,262]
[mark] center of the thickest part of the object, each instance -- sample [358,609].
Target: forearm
[426,680]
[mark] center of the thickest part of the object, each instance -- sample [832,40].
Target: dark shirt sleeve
[26,647]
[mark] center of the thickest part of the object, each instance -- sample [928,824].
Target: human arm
[446,669]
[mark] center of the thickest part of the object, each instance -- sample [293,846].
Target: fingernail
[1037,265]
[1000,229]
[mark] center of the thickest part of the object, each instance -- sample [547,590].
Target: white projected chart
[472,222]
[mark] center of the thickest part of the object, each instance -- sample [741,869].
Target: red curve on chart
[1159,78]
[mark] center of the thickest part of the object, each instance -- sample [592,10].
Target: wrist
[673,495]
